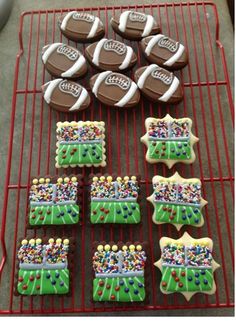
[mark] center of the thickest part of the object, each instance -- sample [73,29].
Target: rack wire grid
[32,143]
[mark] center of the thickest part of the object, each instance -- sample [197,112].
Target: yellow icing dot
[100,248]
[47,180]
[73,179]
[51,240]
[35,181]
[132,247]
[126,178]
[66,179]
[114,248]
[66,124]
[59,180]
[102,178]
[124,247]
[107,247]
[32,242]
[73,124]
[24,242]
[109,179]
[41,180]
[118,179]
[38,241]
[133,178]
[58,241]
[139,247]
[95,179]
[66,241]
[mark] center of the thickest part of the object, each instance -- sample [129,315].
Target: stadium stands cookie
[54,201]
[169,140]
[119,273]
[80,144]
[81,26]
[187,266]
[177,201]
[43,268]
[114,200]
[134,25]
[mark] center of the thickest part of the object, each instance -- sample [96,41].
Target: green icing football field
[177,214]
[43,282]
[115,212]
[119,289]
[54,215]
[192,280]
[172,150]
[70,154]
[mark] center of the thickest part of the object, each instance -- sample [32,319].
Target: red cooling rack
[207,100]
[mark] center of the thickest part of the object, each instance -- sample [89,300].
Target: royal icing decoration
[54,202]
[169,140]
[43,268]
[187,266]
[119,273]
[80,143]
[177,201]
[147,20]
[114,200]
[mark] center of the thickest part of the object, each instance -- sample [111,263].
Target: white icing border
[66,19]
[97,51]
[75,67]
[127,59]
[51,86]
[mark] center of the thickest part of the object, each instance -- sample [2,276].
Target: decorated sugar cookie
[81,26]
[177,201]
[187,266]
[114,200]
[169,140]
[54,201]
[43,268]
[80,144]
[134,25]
[119,273]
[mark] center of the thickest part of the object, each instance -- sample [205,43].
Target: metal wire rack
[207,100]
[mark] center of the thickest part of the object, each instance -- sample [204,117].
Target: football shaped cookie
[62,60]
[158,84]
[115,89]
[164,51]
[109,54]
[81,26]
[134,25]
[65,95]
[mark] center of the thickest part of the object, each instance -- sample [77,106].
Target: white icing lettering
[137,17]
[70,88]
[160,74]
[115,46]
[83,16]
[69,52]
[122,82]
[168,43]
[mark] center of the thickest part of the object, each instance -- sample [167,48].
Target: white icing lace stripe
[75,68]
[81,100]
[128,96]
[94,28]
[65,20]
[148,26]
[145,74]
[176,56]
[174,85]
[152,43]
[127,59]
[51,86]
[51,48]
[99,80]
[123,20]
[97,51]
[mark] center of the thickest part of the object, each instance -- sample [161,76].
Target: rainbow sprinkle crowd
[34,252]
[107,188]
[165,130]
[64,190]
[187,193]
[73,132]
[197,255]
[109,259]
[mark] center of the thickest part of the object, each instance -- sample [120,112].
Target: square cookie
[169,140]
[54,201]
[114,200]
[80,144]
[119,273]
[177,201]
[43,268]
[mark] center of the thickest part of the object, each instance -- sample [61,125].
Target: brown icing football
[81,26]
[158,84]
[164,51]
[110,54]
[134,25]
[61,60]
[115,89]
[65,95]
